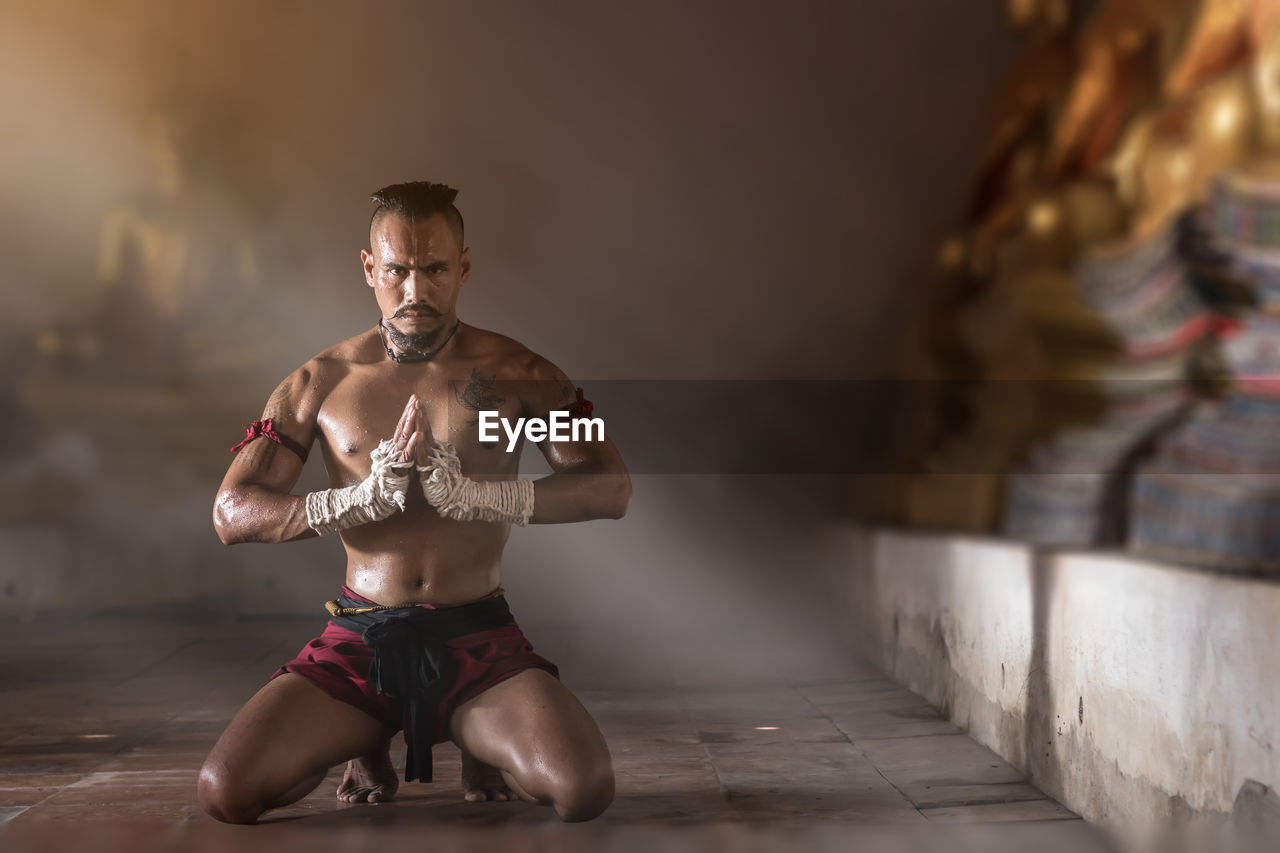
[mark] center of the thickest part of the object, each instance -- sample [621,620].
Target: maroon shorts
[338,663]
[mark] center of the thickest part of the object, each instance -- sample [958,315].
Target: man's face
[416,270]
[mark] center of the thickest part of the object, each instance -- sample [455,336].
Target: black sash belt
[410,662]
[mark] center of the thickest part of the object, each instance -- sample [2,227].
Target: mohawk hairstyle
[417,200]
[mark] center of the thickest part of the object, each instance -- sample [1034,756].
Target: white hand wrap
[377,497]
[463,499]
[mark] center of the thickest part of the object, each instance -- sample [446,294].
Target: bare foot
[369,779]
[482,782]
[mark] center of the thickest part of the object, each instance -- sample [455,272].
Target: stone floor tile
[144,811]
[958,792]
[8,813]
[127,787]
[898,699]
[940,756]
[1042,809]
[870,725]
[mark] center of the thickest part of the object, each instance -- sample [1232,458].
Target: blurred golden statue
[143,262]
[164,259]
[1198,122]
[164,342]
[1098,139]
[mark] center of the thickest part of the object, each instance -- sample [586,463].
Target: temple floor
[107,720]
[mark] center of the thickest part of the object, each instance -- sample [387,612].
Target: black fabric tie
[410,662]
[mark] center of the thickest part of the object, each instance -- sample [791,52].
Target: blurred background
[997,268]
[916,322]
[668,192]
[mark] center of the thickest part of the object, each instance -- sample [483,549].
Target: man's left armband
[581,407]
[464,499]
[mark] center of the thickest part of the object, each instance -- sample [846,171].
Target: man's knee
[585,794]
[223,799]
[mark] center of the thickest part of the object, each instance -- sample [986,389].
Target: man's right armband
[378,496]
[266,429]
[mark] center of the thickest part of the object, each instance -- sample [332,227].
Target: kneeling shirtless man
[421,635]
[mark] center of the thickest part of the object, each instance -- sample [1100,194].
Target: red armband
[582,408]
[267,429]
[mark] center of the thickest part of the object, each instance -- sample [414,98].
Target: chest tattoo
[479,395]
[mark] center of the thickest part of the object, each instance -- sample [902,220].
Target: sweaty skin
[347,399]
[351,396]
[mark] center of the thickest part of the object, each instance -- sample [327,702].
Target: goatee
[420,341]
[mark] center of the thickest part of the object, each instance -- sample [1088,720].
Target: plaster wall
[1127,689]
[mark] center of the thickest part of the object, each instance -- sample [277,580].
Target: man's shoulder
[506,357]
[540,384]
[320,373]
[364,348]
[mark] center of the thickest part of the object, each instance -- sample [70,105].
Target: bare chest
[366,405]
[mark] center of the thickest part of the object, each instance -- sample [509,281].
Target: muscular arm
[254,503]
[590,480]
[585,485]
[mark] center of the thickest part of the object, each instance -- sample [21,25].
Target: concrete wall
[1129,690]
